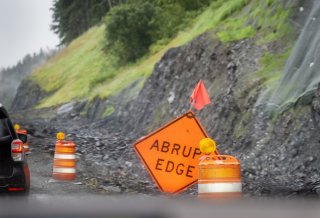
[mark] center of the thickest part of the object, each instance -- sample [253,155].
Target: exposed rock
[111,188]
[65,108]
[28,95]
[171,97]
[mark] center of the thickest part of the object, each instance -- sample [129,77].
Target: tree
[127,31]
[71,18]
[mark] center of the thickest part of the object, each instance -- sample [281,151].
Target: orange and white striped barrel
[219,177]
[26,144]
[64,165]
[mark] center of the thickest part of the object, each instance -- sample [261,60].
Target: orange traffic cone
[219,177]
[64,165]
[23,136]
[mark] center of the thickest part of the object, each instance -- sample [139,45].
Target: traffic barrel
[219,175]
[23,136]
[64,165]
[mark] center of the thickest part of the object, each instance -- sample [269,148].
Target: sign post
[171,154]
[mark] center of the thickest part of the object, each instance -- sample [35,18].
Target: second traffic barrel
[23,134]
[219,177]
[64,165]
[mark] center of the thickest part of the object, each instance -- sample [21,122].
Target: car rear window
[4,131]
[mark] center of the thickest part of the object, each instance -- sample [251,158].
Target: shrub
[127,32]
[167,21]
[193,4]
[133,27]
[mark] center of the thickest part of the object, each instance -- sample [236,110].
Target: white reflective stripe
[219,187]
[65,156]
[64,170]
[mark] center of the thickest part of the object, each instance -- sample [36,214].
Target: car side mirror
[23,138]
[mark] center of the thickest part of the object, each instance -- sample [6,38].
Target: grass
[271,67]
[272,63]
[109,111]
[274,22]
[266,19]
[69,75]
[235,35]
[211,18]
[84,71]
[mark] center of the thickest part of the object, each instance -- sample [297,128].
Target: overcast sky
[24,28]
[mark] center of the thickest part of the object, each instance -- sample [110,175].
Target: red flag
[199,97]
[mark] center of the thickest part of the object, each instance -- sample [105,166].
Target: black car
[14,170]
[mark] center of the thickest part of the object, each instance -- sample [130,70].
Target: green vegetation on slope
[69,75]
[272,66]
[83,70]
[266,19]
[128,31]
[133,27]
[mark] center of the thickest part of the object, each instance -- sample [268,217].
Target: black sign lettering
[155,145]
[165,147]
[176,147]
[184,153]
[159,164]
[189,171]
[170,167]
[196,152]
[179,171]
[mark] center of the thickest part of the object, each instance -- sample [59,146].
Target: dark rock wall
[165,94]
[29,94]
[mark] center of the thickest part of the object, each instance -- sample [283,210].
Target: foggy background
[26,42]
[25,28]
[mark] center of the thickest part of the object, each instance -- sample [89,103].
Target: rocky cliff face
[165,94]
[279,153]
[28,95]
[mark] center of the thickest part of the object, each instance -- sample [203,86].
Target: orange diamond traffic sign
[171,154]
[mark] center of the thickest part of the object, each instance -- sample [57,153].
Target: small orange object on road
[219,177]
[23,136]
[64,166]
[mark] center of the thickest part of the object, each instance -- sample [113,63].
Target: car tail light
[15,189]
[17,150]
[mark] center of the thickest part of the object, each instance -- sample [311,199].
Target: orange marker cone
[219,175]
[23,136]
[64,166]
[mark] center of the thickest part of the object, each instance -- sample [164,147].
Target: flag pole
[191,106]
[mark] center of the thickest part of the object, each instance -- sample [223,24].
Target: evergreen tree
[71,18]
